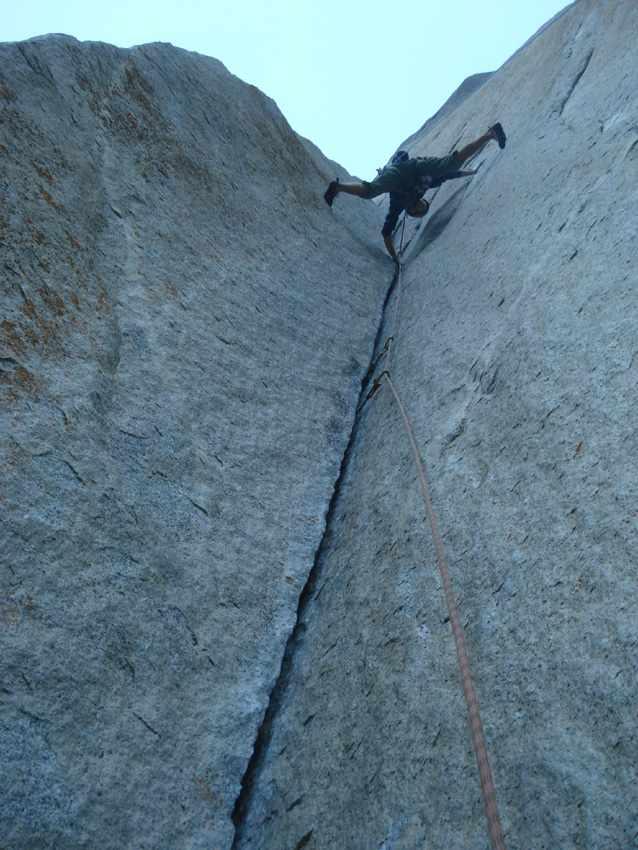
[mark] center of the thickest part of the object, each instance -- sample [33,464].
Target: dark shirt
[398,203]
[419,175]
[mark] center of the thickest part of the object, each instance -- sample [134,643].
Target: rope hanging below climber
[479,745]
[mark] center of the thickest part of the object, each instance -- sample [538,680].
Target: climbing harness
[479,745]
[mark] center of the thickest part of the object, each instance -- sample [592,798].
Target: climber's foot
[498,133]
[331,192]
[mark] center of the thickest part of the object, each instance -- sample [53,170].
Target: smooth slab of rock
[516,356]
[184,329]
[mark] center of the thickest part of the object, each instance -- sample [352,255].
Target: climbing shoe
[331,191]
[499,135]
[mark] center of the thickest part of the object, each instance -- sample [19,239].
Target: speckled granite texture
[184,330]
[517,356]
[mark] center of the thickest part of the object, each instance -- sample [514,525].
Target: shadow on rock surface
[437,224]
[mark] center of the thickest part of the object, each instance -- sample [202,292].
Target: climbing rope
[476,727]
[402,235]
[488,790]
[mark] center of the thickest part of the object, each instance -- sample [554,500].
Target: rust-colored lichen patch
[53,301]
[73,241]
[137,86]
[50,200]
[11,337]
[44,172]
[17,380]
[31,336]
[45,333]
[6,93]
[25,379]
[28,308]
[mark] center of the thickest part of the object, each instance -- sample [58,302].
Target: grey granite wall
[184,330]
[517,356]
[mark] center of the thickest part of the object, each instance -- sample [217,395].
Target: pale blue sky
[355,77]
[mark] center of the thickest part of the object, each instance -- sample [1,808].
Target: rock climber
[406,179]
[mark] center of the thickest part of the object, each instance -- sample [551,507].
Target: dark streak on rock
[32,716]
[34,64]
[74,471]
[131,434]
[330,648]
[148,725]
[295,803]
[188,626]
[631,148]
[8,361]
[577,79]
[304,840]
[199,507]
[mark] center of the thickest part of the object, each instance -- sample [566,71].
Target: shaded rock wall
[184,331]
[517,358]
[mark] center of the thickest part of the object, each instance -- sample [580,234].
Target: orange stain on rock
[74,242]
[50,199]
[44,172]
[53,301]
[28,308]
[11,336]
[25,379]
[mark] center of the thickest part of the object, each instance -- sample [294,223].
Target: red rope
[476,727]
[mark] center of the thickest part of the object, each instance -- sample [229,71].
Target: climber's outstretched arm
[391,219]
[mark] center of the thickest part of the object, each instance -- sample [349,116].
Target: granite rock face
[517,358]
[184,331]
[467,87]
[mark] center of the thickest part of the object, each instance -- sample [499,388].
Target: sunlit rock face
[184,330]
[516,355]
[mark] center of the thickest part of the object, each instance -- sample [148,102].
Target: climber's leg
[361,190]
[388,180]
[495,132]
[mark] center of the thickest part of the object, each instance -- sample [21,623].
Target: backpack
[397,158]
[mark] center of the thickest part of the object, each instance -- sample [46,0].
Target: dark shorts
[393,179]
[389,180]
[437,166]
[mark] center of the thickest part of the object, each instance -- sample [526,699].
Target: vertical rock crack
[264,732]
